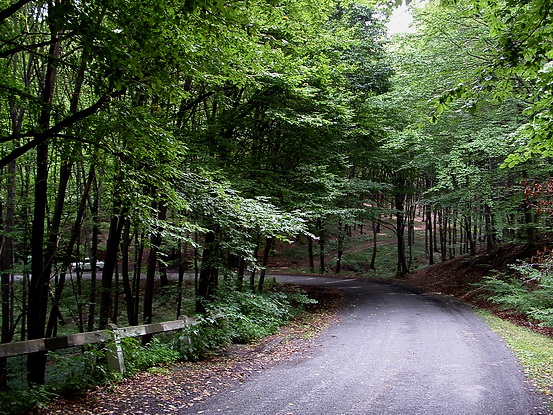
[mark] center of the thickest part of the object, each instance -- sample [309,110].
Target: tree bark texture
[207,280]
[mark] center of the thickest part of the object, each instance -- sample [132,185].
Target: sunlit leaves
[517,65]
[457,127]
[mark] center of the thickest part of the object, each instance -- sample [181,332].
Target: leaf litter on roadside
[183,384]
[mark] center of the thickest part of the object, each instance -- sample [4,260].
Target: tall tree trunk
[426,232]
[439,227]
[399,201]
[375,230]
[6,249]
[207,279]
[491,242]
[310,254]
[7,260]
[7,317]
[150,280]
[115,308]
[94,212]
[254,267]
[162,216]
[51,329]
[155,242]
[181,266]
[137,272]
[112,248]
[470,236]
[453,236]
[444,225]
[402,268]
[6,270]
[340,250]
[125,275]
[38,290]
[163,276]
[80,306]
[463,247]
[322,246]
[51,249]
[265,261]
[241,273]
[430,237]
[435,233]
[411,225]
[411,233]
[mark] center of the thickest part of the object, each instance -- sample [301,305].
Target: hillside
[458,277]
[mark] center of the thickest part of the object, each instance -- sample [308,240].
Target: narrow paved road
[393,352]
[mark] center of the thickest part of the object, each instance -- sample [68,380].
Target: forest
[190,137]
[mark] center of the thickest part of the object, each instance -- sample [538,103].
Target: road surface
[393,352]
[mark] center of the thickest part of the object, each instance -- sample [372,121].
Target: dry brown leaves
[168,390]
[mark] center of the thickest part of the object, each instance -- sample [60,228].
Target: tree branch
[9,11]
[27,48]
[40,137]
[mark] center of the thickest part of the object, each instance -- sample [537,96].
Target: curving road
[394,352]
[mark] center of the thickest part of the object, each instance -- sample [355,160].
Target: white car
[86,265]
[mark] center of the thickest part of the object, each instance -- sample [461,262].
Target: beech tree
[518,65]
[105,102]
[454,144]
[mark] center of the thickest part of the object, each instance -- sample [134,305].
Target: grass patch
[533,350]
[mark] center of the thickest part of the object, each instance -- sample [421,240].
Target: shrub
[23,400]
[138,357]
[202,340]
[73,374]
[241,317]
[527,289]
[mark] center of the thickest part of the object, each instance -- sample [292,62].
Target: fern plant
[527,288]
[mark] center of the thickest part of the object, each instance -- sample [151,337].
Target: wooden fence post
[116,361]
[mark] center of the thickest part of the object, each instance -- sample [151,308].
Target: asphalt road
[392,352]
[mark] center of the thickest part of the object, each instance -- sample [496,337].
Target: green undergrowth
[533,350]
[242,317]
[233,317]
[526,288]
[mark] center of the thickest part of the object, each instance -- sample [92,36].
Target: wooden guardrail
[112,334]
